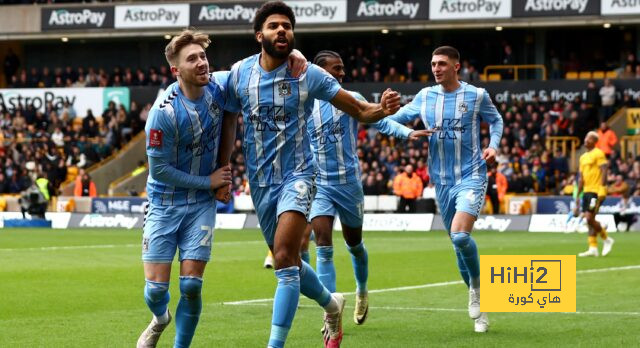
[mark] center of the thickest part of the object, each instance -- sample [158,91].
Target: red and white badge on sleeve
[155,138]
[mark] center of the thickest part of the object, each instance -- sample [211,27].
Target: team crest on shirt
[214,109]
[463,107]
[284,88]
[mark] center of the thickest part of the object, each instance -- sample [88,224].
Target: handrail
[628,142]
[553,142]
[517,67]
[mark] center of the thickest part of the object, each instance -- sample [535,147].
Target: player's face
[444,69]
[276,36]
[193,66]
[335,67]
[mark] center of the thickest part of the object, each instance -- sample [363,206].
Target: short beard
[270,48]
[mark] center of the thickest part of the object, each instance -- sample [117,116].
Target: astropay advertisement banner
[81,99]
[386,10]
[90,17]
[469,9]
[152,16]
[318,12]
[541,8]
[223,13]
[620,7]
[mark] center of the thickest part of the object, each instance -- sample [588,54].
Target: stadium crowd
[51,141]
[46,144]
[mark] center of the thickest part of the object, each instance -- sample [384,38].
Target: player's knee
[352,236]
[156,291]
[460,239]
[190,287]
[286,258]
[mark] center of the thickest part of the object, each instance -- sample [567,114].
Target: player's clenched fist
[390,101]
[221,177]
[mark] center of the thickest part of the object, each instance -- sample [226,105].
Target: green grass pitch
[83,288]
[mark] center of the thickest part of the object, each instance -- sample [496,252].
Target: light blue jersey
[183,137]
[454,150]
[276,108]
[334,142]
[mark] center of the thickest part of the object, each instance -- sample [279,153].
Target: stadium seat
[571,75]
[387,203]
[483,77]
[598,75]
[495,77]
[585,75]
[611,74]
[243,203]
[370,203]
[424,78]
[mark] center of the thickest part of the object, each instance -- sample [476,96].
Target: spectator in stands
[607,99]
[85,187]
[410,73]
[528,182]
[76,158]
[141,168]
[607,139]
[496,188]
[628,72]
[408,186]
[422,171]
[618,187]
[11,65]
[382,183]
[16,185]
[393,76]
[631,61]
[369,188]
[4,184]
[626,213]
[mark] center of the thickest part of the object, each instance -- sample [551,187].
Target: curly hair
[269,8]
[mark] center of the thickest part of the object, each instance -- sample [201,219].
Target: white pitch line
[109,246]
[433,309]
[432,285]
[596,270]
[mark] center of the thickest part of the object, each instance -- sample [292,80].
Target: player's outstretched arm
[367,112]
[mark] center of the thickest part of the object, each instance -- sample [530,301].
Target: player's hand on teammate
[223,194]
[297,63]
[417,134]
[489,155]
[221,177]
[390,101]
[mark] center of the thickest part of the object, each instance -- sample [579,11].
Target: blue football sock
[462,267]
[285,303]
[467,248]
[188,312]
[360,262]
[325,267]
[156,295]
[311,286]
[304,255]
